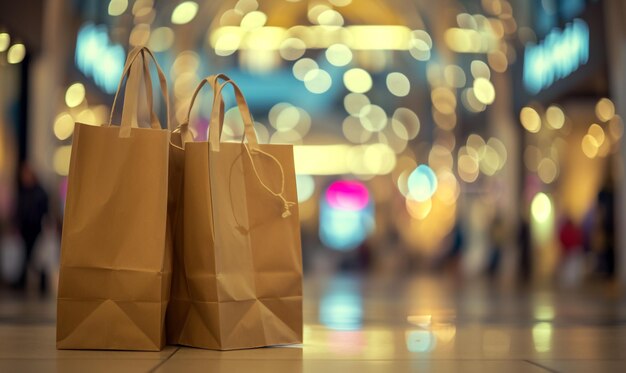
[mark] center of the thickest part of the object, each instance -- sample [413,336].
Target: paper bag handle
[252,147]
[212,80]
[248,123]
[131,85]
[281,194]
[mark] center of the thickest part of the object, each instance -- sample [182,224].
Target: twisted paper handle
[281,195]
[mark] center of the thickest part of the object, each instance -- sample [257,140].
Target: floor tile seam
[163,361]
[541,366]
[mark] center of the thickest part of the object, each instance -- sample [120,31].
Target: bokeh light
[357,80]
[530,119]
[184,12]
[422,183]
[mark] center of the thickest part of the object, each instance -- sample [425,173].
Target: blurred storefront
[571,140]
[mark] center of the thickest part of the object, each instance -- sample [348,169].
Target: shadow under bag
[115,271]
[237,276]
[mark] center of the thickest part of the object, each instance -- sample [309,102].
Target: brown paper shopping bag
[115,274]
[237,279]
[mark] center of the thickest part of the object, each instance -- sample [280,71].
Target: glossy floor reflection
[375,325]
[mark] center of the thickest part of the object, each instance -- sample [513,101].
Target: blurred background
[460,140]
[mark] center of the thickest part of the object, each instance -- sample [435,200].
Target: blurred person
[450,258]
[603,231]
[32,207]
[497,240]
[571,239]
[525,247]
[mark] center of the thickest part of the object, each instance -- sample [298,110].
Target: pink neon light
[347,195]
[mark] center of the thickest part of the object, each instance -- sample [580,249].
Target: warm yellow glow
[616,127]
[86,116]
[590,146]
[161,39]
[317,81]
[418,209]
[541,207]
[292,48]
[490,161]
[140,35]
[480,69]
[286,137]
[16,53]
[227,44]
[187,62]
[184,12]
[354,102]
[302,67]
[357,80]
[605,110]
[530,119]
[547,170]
[287,119]
[61,160]
[454,76]
[5,40]
[63,126]
[499,147]
[361,37]
[475,142]
[264,39]
[467,166]
[398,84]
[555,117]
[253,20]
[374,37]
[464,40]
[340,2]
[315,10]
[117,7]
[498,61]
[75,95]
[354,131]
[444,121]
[544,313]
[597,132]
[373,118]
[374,159]
[246,6]
[542,336]
[440,158]
[420,45]
[330,18]
[470,101]
[448,188]
[408,120]
[443,99]
[339,55]
[484,91]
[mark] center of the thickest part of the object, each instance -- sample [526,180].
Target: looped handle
[215,131]
[212,81]
[281,195]
[131,85]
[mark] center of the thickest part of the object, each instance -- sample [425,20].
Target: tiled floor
[374,325]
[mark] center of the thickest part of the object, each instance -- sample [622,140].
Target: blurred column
[615,14]
[48,71]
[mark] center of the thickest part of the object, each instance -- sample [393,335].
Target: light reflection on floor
[383,324]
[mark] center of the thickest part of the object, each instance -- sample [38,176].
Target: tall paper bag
[238,267]
[115,273]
